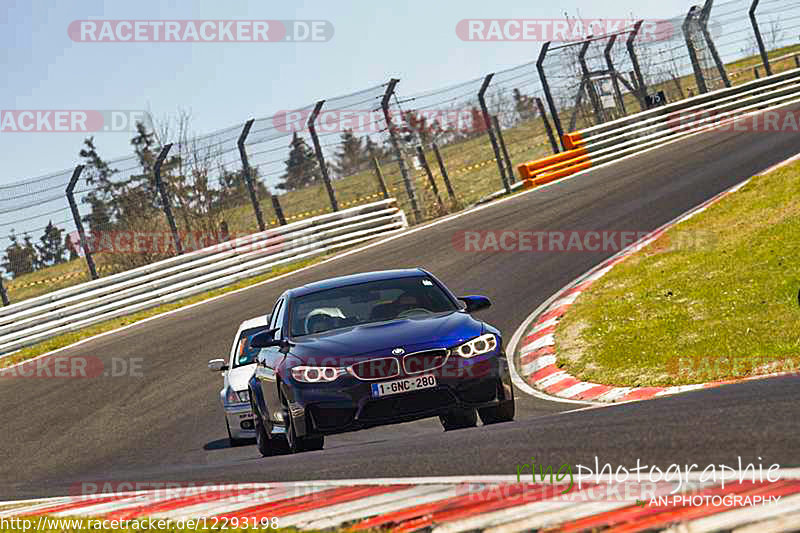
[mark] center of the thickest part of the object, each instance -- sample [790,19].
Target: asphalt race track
[168,424]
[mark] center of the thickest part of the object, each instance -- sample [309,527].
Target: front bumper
[347,404]
[240,420]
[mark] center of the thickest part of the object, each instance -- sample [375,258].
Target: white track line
[300,520]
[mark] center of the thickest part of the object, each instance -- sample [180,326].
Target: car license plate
[403,385]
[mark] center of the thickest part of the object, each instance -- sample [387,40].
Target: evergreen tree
[301,167]
[51,250]
[350,157]
[102,198]
[373,149]
[140,191]
[20,258]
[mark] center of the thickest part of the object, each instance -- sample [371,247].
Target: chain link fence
[436,151]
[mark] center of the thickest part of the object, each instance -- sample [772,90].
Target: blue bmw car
[370,349]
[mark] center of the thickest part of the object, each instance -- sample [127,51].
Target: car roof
[354,279]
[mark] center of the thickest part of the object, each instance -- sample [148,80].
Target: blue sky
[226,83]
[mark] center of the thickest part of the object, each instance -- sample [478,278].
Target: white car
[236,372]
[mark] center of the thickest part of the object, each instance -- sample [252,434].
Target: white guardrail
[717,109]
[37,319]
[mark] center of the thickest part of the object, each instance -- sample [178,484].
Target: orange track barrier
[529,169]
[573,140]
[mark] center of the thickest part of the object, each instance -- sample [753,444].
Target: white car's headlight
[233,397]
[477,346]
[317,374]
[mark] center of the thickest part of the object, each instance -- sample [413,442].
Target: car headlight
[231,396]
[317,374]
[477,346]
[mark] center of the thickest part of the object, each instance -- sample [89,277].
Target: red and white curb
[485,503]
[534,344]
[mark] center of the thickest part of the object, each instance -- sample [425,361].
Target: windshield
[364,303]
[245,354]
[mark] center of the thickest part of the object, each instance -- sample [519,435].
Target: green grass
[71,338]
[715,298]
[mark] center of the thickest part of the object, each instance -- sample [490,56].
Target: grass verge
[71,338]
[714,298]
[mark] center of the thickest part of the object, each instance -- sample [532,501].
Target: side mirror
[217,365]
[476,303]
[265,339]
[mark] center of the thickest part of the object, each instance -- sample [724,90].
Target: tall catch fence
[435,151]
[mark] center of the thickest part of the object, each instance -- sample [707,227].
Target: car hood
[239,376]
[411,334]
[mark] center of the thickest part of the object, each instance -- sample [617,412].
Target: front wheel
[297,444]
[266,446]
[459,419]
[504,412]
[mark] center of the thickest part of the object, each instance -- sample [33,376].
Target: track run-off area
[165,424]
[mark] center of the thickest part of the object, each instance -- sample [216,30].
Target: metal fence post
[599,115]
[3,293]
[76,217]
[276,205]
[641,87]
[165,198]
[248,177]
[698,72]
[488,122]
[547,128]
[320,157]
[424,162]
[613,73]
[381,181]
[443,169]
[704,14]
[548,95]
[397,150]
[509,168]
[761,48]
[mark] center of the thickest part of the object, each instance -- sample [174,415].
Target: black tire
[504,412]
[235,442]
[459,419]
[266,446]
[295,444]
